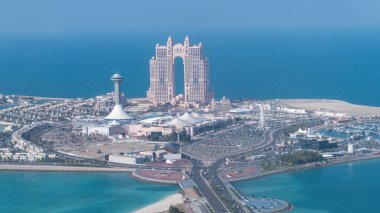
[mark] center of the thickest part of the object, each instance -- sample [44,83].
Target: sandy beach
[335,106]
[162,205]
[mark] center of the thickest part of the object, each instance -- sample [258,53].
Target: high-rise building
[196,73]
[350,149]
[223,104]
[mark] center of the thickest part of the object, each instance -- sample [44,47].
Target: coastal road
[196,174]
[208,178]
[224,190]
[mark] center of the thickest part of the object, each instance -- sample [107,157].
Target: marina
[368,131]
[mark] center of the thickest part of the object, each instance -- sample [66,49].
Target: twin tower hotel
[196,73]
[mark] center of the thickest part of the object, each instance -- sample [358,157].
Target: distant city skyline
[95,16]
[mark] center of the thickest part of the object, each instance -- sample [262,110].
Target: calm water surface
[259,65]
[346,188]
[60,192]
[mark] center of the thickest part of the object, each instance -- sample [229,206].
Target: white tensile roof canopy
[199,117]
[118,113]
[189,118]
[114,123]
[178,123]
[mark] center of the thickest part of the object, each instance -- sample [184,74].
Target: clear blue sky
[90,16]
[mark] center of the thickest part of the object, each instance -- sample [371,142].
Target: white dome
[118,113]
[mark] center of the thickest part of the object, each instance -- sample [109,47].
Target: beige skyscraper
[196,73]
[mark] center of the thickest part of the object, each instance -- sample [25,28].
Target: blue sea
[346,188]
[265,64]
[260,65]
[60,192]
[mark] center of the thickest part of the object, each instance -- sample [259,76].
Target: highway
[201,176]
[228,195]
[196,174]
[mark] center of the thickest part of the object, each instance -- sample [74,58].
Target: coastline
[39,98]
[299,168]
[159,206]
[305,166]
[150,180]
[51,168]
[162,205]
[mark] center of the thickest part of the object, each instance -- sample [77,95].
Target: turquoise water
[59,192]
[255,65]
[320,64]
[349,187]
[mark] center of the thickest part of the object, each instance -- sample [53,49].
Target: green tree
[302,157]
[174,209]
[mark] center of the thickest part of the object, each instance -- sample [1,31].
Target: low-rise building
[6,127]
[104,129]
[316,144]
[291,110]
[171,158]
[138,130]
[330,114]
[105,103]
[127,159]
[160,154]
[223,104]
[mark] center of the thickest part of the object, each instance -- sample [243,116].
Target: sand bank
[162,205]
[335,106]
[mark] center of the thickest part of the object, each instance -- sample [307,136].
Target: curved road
[205,178]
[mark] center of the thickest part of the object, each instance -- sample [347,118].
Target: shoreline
[51,168]
[305,166]
[300,168]
[162,205]
[39,98]
[150,180]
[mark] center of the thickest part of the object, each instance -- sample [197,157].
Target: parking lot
[223,143]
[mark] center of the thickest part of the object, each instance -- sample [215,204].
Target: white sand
[162,205]
[328,105]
